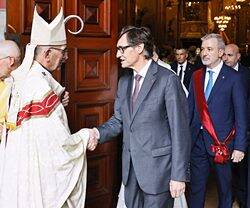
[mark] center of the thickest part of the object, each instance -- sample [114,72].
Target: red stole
[220,149]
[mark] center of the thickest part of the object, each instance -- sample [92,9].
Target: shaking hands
[93,139]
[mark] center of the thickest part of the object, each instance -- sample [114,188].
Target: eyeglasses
[63,51]
[4,57]
[122,49]
[16,58]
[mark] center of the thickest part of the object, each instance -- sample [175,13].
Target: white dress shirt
[216,71]
[184,66]
[236,67]
[142,73]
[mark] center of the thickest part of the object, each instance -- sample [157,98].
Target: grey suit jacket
[156,136]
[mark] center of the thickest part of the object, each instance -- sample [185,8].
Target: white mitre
[43,33]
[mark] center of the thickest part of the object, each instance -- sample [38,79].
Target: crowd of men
[177,124]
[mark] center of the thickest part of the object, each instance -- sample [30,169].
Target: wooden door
[90,76]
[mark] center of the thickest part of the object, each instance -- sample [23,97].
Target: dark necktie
[181,72]
[136,90]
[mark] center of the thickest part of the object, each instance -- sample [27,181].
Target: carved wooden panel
[89,115]
[92,69]
[103,159]
[99,192]
[96,15]
[97,169]
[44,9]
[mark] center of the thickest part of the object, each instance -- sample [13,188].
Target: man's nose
[118,54]
[204,52]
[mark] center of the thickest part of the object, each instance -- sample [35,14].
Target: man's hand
[65,99]
[93,139]
[237,156]
[177,188]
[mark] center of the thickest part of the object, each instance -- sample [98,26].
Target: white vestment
[41,164]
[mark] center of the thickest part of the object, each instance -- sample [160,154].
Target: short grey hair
[220,41]
[39,50]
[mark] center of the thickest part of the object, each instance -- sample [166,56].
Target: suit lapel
[175,66]
[218,83]
[129,93]
[146,86]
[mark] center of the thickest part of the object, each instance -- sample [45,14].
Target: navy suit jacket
[227,105]
[188,72]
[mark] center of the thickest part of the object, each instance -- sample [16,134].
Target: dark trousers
[239,179]
[136,198]
[201,162]
[248,178]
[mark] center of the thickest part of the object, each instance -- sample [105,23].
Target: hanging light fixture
[222,21]
[232,7]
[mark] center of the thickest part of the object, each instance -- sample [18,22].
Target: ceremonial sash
[41,108]
[220,149]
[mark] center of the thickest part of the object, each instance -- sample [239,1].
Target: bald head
[9,57]
[231,55]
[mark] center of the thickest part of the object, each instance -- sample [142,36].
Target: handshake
[93,139]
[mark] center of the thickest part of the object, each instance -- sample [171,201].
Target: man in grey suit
[151,111]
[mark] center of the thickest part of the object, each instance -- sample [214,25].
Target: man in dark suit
[231,58]
[217,107]
[152,112]
[182,67]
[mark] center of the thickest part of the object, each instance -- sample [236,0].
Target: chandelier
[222,21]
[233,7]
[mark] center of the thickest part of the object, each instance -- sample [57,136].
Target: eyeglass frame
[122,49]
[16,58]
[63,51]
[4,57]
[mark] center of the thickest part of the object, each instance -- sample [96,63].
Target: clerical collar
[42,69]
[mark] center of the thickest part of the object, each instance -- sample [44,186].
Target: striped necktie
[136,90]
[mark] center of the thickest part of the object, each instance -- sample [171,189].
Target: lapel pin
[223,77]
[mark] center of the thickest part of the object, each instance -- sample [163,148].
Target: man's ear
[221,52]
[238,56]
[47,54]
[140,48]
[12,62]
